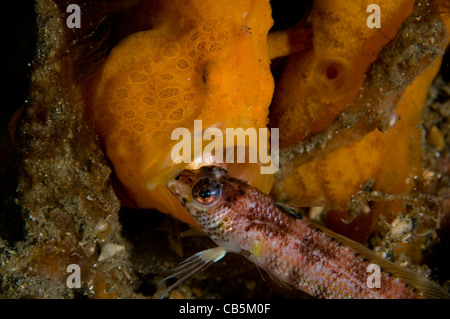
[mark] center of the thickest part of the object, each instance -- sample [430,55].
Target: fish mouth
[175,188]
[181,185]
[176,191]
[172,186]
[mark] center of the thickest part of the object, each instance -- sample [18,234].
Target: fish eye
[207,191]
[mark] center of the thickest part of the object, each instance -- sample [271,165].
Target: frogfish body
[195,63]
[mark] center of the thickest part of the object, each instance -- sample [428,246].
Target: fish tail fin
[193,265]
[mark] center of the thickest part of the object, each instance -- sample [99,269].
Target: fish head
[199,190]
[210,196]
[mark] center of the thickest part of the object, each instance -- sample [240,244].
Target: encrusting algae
[348,107]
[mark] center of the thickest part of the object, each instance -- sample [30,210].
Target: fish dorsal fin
[308,202]
[194,264]
[413,279]
[288,209]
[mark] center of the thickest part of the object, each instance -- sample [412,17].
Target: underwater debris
[63,185]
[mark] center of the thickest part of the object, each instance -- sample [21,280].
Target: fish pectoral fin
[194,264]
[279,281]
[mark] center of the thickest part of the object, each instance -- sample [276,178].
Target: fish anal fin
[194,264]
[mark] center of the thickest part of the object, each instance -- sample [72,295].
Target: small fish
[291,249]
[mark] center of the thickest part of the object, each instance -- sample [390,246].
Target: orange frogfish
[201,60]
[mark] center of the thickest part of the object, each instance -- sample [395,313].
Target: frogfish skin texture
[195,63]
